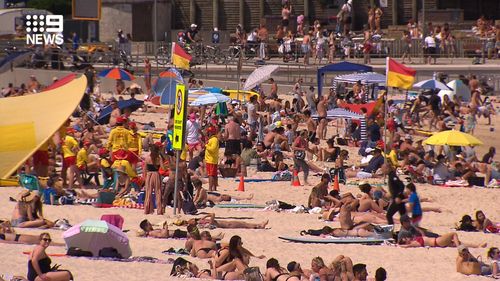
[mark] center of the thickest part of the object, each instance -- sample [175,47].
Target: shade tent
[340,67]
[458,88]
[364,77]
[346,114]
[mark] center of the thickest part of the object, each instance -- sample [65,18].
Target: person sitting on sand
[209,221]
[484,224]
[274,272]
[203,245]
[320,270]
[446,240]
[330,153]
[319,196]
[231,260]
[39,267]
[193,233]
[413,203]
[353,220]
[366,202]
[149,231]
[466,224]
[467,264]
[296,271]
[370,169]
[28,212]
[185,269]
[359,271]
[494,260]
[202,196]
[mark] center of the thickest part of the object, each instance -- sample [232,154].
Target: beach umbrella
[452,138]
[116,74]
[458,88]
[183,72]
[259,75]
[210,98]
[431,84]
[94,235]
[60,82]
[164,87]
[132,104]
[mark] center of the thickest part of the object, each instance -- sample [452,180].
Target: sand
[401,264]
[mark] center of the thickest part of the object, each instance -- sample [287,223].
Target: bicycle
[163,55]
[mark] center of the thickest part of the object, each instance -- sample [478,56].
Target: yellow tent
[29,121]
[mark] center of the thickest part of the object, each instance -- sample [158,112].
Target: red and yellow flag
[179,57]
[399,75]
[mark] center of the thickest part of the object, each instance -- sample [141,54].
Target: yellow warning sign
[179,117]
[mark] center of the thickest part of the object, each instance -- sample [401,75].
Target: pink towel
[115,220]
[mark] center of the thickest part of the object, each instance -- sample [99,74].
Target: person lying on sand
[209,221]
[353,220]
[8,235]
[274,272]
[202,196]
[28,212]
[149,231]
[443,241]
[339,232]
[203,246]
[185,269]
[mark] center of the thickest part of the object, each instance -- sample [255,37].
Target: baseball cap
[121,119]
[369,150]
[193,25]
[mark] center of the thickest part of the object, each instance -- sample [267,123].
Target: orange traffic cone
[241,186]
[336,183]
[296,181]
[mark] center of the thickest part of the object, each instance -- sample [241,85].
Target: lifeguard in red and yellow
[119,139]
[134,145]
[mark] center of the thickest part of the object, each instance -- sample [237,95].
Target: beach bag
[105,197]
[188,206]
[299,154]
[110,252]
[341,141]
[253,274]
[471,268]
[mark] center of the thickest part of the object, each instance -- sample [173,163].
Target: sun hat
[121,169]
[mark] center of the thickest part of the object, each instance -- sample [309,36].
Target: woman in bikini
[484,224]
[274,272]
[185,269]
[210,222]
[28,212]
[230,261]
[320,270]
[443,241]
[8,235]
[203,246]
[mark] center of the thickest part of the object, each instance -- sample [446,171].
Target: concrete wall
[114,17]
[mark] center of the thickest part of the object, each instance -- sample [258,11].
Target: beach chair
[29,181]
[113,219]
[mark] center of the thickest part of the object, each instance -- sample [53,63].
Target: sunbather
[274,272]
[201,196]
[203,246]
[28,212]
[8,235]
[484,224]
[149,231]
[210,222]
[185,269]
[443,241]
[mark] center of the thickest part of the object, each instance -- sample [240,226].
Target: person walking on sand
[153,181]
[299,147]
[69,149]
[147,75]
[212,158]
[396,189]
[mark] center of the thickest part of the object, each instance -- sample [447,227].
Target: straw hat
[28,196]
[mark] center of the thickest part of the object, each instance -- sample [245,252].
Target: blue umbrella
[210,98]
[431,84]
[132,104]
[165,88]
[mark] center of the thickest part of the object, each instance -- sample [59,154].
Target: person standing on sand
[153,181]
[323,122]
[212,158]
[118,140]
[115,113]
[134,145]
[69,150]
[396,189]
[299,147]
[147,75]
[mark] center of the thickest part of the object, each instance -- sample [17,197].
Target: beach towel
[457,183]
[335,240]
[240,206]
[255,180]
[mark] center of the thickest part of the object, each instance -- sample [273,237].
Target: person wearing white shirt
[430,47]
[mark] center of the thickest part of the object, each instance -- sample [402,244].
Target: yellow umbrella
[452,138]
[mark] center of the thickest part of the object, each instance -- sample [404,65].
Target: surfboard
[348,240]
[240,206]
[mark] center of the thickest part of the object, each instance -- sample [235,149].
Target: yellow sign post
[179,117]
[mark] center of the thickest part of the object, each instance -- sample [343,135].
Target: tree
[57,7]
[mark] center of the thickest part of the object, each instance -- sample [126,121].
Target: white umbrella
[431,84]
[259,75]
[458,88]
[210,98]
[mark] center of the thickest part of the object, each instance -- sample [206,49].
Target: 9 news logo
[44,29]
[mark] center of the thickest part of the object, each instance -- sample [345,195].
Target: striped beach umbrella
[117,73]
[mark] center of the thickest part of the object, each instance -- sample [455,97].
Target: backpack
[188,206]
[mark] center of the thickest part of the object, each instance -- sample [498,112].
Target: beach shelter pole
[176,184]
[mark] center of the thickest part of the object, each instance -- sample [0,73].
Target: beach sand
[401,264]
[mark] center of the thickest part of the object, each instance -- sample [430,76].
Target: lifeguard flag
[399,75]
[179,57]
